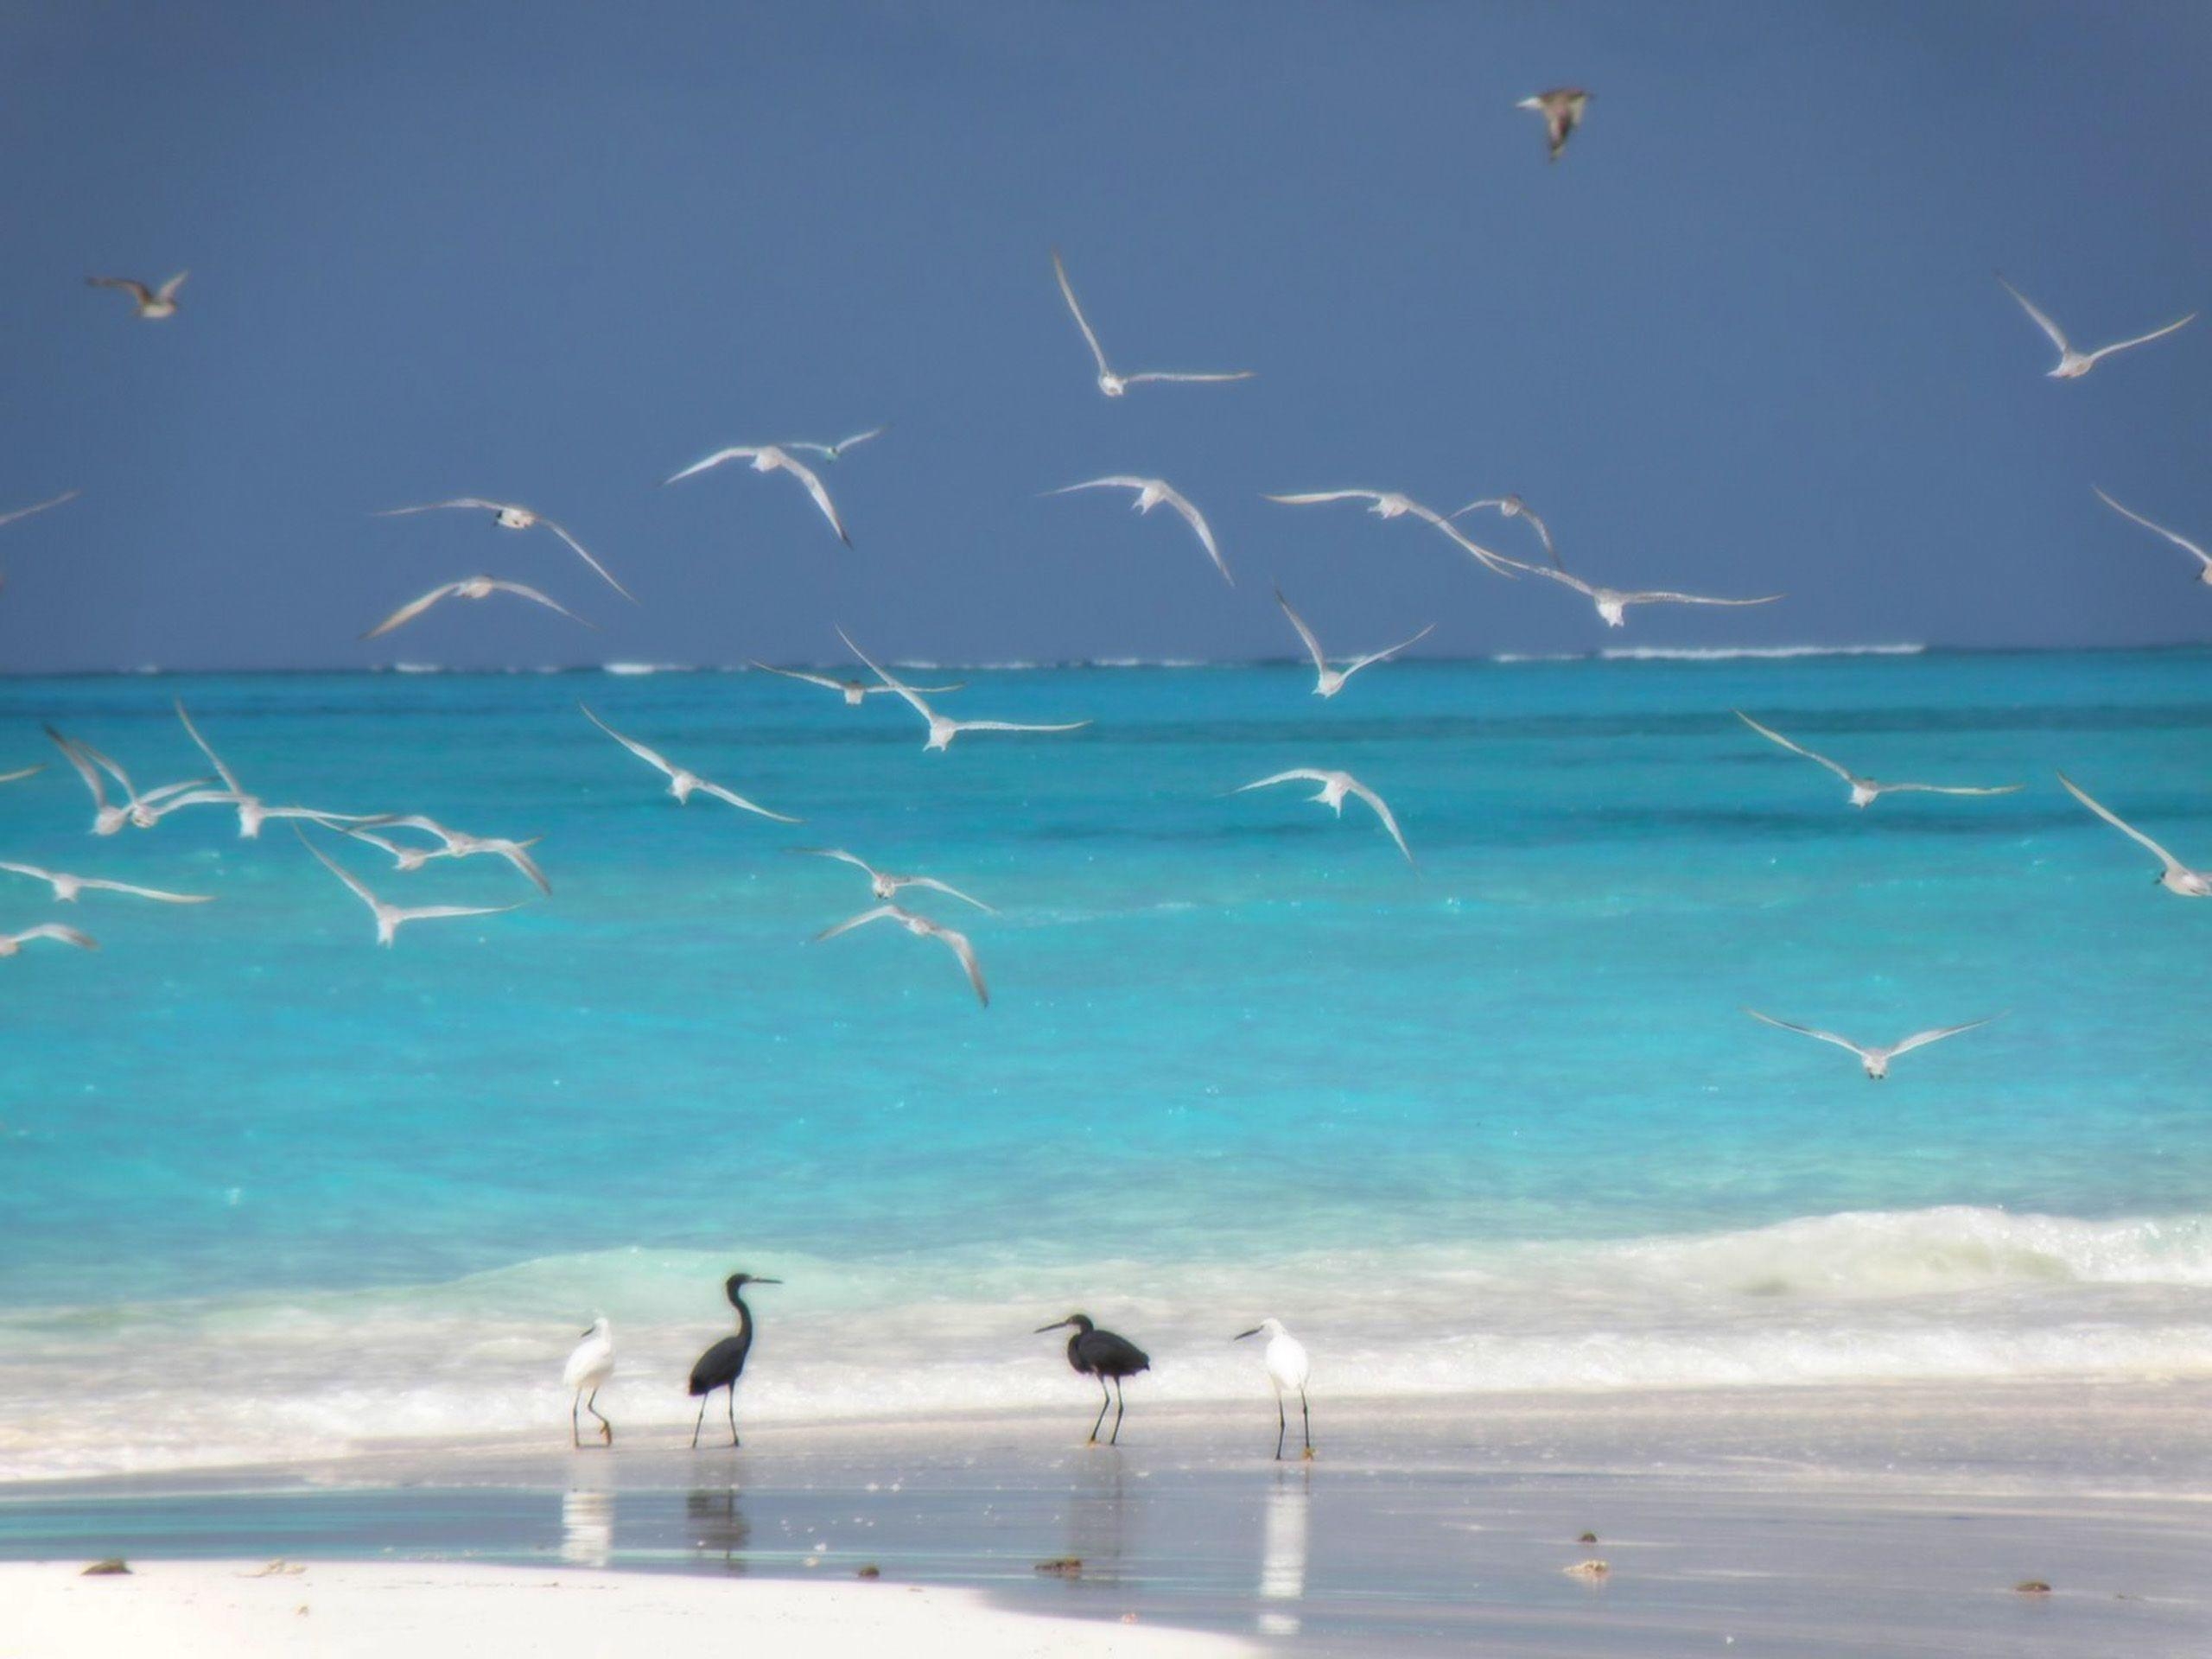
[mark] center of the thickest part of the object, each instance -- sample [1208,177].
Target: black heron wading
[1101,1354]
[722,1364]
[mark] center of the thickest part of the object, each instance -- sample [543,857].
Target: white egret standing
[585,1374]
[1287,1370]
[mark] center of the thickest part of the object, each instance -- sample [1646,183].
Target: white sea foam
[648,668]
[1731,653]
[1950,1293]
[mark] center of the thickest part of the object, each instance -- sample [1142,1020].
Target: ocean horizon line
[1601,655]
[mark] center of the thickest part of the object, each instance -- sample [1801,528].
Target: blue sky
[1745,336]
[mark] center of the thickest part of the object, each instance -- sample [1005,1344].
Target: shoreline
[1814,1519]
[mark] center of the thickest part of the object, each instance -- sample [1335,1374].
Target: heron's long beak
[1241,1335]
[1057,1324]
[764,1281]
[586,1331]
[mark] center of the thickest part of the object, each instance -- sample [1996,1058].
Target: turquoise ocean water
[1496,1124]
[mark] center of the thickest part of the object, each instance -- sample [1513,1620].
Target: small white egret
[585,1374]
[1287,1370]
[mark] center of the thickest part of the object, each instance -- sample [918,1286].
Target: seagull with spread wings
[1335,786]
[469,588]
[67,887]
[11,944]
[2204,559]
[683,783]
[836,451]
[1330,681]
[1150,493]
[153,303]
[1115,385]
[1876,1060]
[1866,790]
[943,727]
[142,809]
[2073,365]
[922,928]
[392,918]
[2174,876]
[768,458]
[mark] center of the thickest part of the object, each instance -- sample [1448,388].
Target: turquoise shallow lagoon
[1495,1122]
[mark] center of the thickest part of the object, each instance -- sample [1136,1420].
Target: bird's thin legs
[1115,1439]
[1105,1399]
[1282,1425]
[732,1416]
[1305,1417]
[697,1421]
[605,1428]
[576,1435]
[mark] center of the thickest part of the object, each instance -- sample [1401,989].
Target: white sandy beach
[221,1610]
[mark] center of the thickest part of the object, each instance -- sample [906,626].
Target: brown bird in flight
[1561,108]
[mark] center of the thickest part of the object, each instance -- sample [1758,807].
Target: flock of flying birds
[412,840]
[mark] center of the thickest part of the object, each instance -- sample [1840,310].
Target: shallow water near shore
[1497,1122]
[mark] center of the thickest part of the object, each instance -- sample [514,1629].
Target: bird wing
[1196,521]
[2043,323]
[1206,375]
[1311,497]
[1953,789]
[805,474]
[476,501]
[384,841]
[739,452]
[799,674]
[229,777]
[2178,541]
[413,608]
[651,756]
[1497,564]
[1383,810]
[168,290]
[20,773]
[55,930]
[1773,736]
[843,444]
[1543,532]
[1387,652]
[518,853]
[337,870]
[936,886]
[2121,824]
[1808,1031]
[1067,293]
[1663,597]
[428,826]
[2141,339]
[192,796]
[1922,1039]
[434,913]
[959,943]
[1312,645]
[84,767]
[159,894]
[31,870]
[879,914]
[606,575]
[905,691]
[1020,725]
[738,801]
[137,290]
[1115,481]
[39,506]
[523,592]
[1306,774]
[841,856]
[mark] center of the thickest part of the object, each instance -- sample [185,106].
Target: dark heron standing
[1101,1354]
[722,1364]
